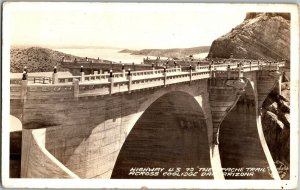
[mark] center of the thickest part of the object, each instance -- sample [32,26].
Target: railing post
[24,84]
[54,76]
[129,80]
[209,69]
[250,66]
[153,68]
[76,88]
[25,69]
[165,76]
[191,73]
[111,80]
[228,72]
[82,73]
[213,70]
[240,75]
[261,65]
[277,66]
[123,70]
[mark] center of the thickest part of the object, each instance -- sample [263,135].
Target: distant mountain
[37,59]
[128,51]
[173,52]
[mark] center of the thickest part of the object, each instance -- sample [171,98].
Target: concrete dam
[103,125]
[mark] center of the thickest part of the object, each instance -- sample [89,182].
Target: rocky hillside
[174,52]
[37,59]
[276,127]
[261,35]
[265,35]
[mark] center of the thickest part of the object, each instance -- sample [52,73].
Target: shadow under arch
[242,142]
[171,133]
[15,147]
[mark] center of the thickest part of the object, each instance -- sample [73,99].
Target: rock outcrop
[276,127]
[267,36]
[261,35]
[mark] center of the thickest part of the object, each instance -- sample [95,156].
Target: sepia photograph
[150,95]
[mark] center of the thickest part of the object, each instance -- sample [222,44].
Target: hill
[37,59]
[173,52]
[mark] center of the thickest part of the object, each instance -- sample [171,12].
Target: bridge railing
[68,79]
[101,76]
[87,89]
[247,66]
[142,73]
[32,79]
[16,81]
[40,80]
[155,77]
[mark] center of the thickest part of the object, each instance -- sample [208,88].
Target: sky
[130,25]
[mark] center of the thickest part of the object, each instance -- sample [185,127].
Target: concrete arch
[199,94]
[178,132]
[86,134]
[15,124]
[250,137]
[258,103]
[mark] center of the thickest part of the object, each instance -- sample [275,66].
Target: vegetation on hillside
[37,59]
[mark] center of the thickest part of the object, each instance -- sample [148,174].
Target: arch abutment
[223,95]
[214,155]
[263,85]
[266,81]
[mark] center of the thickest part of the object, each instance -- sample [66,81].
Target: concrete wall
[37,162]
[265,84]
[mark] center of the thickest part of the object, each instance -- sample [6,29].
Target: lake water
[113,54]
